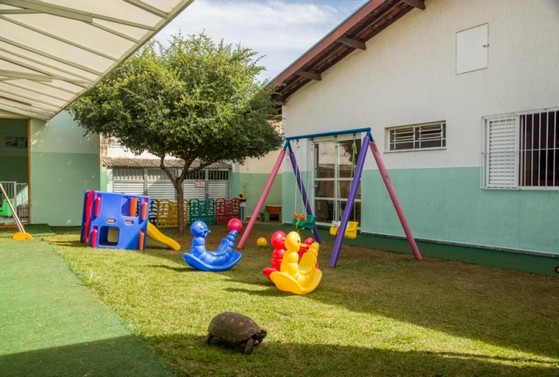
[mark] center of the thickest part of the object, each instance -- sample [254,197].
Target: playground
[379,313]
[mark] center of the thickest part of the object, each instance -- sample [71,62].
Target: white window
[471,49]
[335,162]
[418,136]
[521,150]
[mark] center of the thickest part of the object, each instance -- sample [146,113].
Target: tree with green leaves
[191,99]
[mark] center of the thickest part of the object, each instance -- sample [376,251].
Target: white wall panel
[407,75]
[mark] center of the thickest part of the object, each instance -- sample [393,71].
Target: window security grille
[200,174]
[522,150]
[218,175]
[421,136]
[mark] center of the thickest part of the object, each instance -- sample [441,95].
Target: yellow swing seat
[350,231]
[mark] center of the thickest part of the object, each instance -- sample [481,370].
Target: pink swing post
[394,198]
[263,197]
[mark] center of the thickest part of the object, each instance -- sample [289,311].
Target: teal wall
[64,177]
[63,164]
[104,179]
[13,160]
[447,204]
[252,185]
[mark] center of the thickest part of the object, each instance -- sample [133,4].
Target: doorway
[334,171]
[14,174]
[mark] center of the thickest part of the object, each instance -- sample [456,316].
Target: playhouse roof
[351,34]
[51,51]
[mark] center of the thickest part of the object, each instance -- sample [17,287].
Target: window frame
[504,146]
[336,180]
[417,139]
[472,49]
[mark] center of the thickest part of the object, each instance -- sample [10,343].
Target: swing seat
[334,228]
[309,223]
[350,230]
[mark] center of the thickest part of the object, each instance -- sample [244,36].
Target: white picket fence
[18,194]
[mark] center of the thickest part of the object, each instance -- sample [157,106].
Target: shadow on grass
[184,269]
[515,310]
[511,309]
[123,357]
[278,359]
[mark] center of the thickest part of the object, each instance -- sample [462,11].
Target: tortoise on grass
[236,329]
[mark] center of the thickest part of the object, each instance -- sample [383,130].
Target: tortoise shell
[236,329]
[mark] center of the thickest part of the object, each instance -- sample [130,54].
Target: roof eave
[351,34]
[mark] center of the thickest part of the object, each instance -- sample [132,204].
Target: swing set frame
[369,142]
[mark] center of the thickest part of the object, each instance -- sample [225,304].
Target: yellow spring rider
[299,277]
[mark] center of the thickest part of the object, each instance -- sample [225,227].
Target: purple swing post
[368,140]
[349,203]
[304,194]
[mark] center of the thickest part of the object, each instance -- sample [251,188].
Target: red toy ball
[235,224]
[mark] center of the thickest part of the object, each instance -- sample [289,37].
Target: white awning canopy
[52,51]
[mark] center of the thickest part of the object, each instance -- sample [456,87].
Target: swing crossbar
[304,195]
[324,134]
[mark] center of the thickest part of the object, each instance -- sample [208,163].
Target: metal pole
[303,194]
[263,197]
[349,203]
[384,173]
[332,133]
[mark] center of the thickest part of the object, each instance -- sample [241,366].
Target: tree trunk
[177,184]
[180,204]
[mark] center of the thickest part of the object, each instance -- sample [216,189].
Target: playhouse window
[420,136]
[522,150]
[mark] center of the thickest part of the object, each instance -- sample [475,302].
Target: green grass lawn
[376,314]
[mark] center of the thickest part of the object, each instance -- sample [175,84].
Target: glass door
[334,171]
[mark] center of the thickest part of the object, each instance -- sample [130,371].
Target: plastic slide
[155,234]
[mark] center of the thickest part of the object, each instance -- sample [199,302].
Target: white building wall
[407,75]
[261,165]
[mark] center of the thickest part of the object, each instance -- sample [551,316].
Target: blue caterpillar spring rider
[221,259]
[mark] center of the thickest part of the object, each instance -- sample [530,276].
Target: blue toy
[119,221]
[114,221]
[221,259]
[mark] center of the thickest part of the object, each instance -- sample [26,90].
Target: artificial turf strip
[53,325]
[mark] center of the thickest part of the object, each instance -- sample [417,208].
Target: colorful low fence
[163,212]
